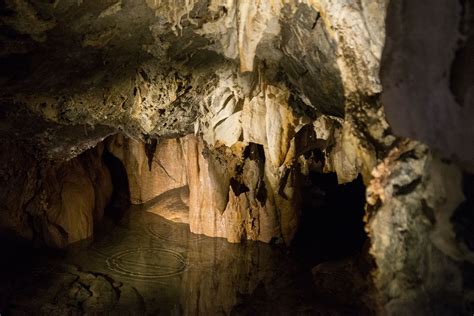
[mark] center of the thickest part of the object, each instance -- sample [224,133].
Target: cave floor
[148,265]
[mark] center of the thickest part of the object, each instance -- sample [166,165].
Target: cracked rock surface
[232,103]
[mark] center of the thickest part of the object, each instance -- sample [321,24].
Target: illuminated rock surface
[227,116]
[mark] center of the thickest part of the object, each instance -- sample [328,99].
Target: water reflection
[177,272]
[148,265]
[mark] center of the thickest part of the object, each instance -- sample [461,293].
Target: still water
[148,265]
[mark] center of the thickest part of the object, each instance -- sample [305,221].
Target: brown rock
[167,168]
[170,205]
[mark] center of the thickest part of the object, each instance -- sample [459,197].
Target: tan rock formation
[64,199]
[172,205]
[260,83]
[75,196]
[254,203]
[167,170]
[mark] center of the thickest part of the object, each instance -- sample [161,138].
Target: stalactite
[150,148]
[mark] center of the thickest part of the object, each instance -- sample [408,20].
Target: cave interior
[211,157]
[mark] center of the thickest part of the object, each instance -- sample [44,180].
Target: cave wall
[53,203]
[152,171]
[230,195]
[247,77]
[428,80]
[410,201]
[427,95]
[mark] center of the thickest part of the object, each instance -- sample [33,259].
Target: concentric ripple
[147,263]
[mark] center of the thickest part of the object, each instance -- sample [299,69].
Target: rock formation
[148,180]
[77,292]
[51,202]
[218,110]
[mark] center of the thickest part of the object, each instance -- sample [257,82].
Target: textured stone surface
[150,175]
[224,203]
[266,86]
[73,292]
[172,205]
[429,80]
[406,206]
[56,203]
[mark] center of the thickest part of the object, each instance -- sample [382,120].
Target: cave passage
[142,262]
[332,226]
[120,200]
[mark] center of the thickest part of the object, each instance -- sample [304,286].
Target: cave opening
[120,199]
[331,226]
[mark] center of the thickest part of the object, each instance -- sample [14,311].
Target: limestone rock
[147,181]
[266,86]
[76,218]
[64,199]
[358,30]
[258,202]
[103,296]
[172,205]
[75,292]
[403,202]
[428,91]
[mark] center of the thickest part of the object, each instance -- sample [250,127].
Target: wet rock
[418,81]
[271,90]
[46,194]
[74,292]
[130,301]
[79,293]
[146,182]
[170,205]
[257,202]
[103,296]
[345,283]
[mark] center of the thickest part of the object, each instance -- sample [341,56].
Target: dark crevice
[332,226]
[262,193]
[283,182]
[463,218]
[306,140]
[428,212]
[238,187]
[120,200]
[407,188]
[411,154]
[463,222]
[255,152]
[318,16]
[462,70]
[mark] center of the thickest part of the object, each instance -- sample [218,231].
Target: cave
[211,157]
[332,219]
[119,202]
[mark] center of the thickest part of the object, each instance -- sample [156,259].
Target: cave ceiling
[145,67]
